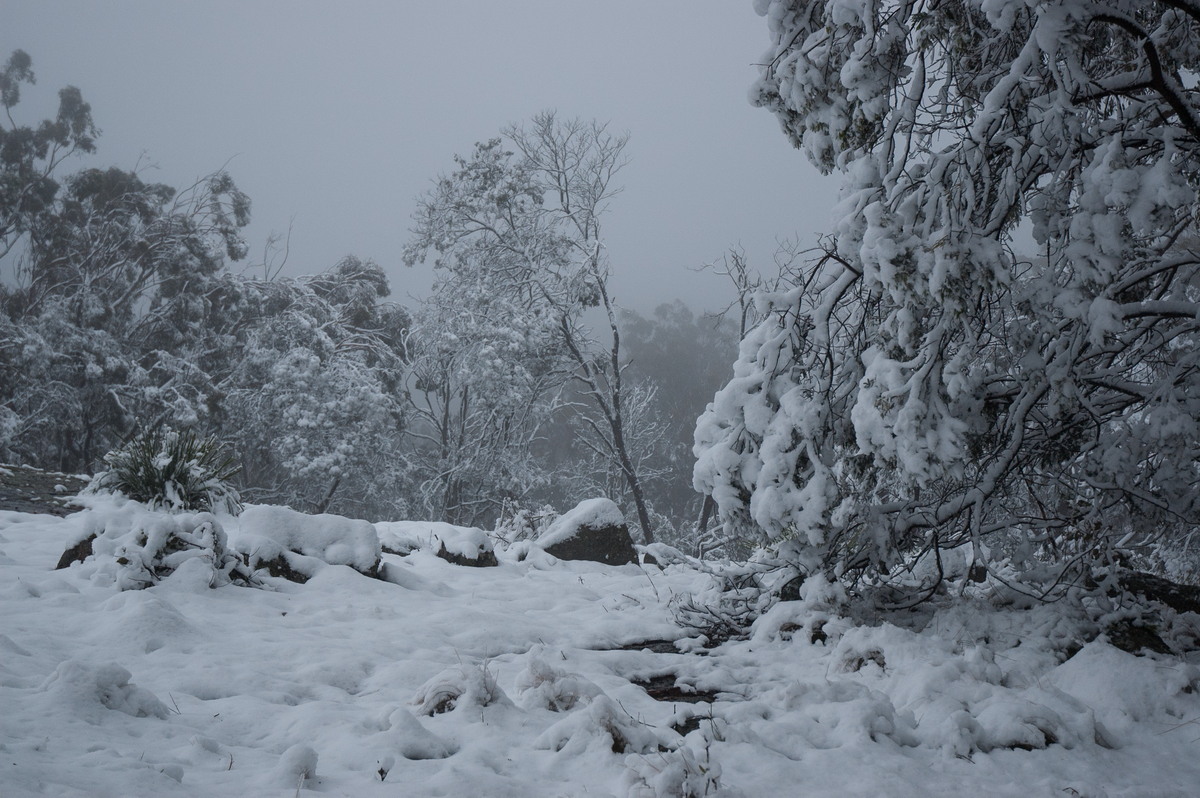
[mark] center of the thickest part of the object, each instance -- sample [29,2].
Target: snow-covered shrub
[1177,559]
[176,471]
[727,608]
[671,774]
[135,547]
[924,384]
[455,688]
[518,522]
[814,617]
[603,726]
[543,686]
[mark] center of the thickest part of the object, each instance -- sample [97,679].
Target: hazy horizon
[333,120]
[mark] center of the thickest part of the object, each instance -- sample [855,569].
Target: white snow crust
[509,681]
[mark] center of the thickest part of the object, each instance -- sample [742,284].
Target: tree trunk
[706,509]
[323,505]
[631,479]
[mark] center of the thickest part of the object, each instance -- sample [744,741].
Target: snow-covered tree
[30,155]
[119,312]
[112,300]
[926,383]
[485,376]
[313,399]
[526,223]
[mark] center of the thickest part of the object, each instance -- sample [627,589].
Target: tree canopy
[933,380]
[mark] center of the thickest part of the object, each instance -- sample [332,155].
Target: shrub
[175,471]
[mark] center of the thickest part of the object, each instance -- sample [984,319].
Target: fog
[333,118]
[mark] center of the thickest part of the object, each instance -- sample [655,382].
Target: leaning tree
[998,340]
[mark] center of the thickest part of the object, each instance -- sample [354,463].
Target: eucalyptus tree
[523,217]
[925,383]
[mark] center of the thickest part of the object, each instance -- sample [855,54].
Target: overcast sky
[336,115]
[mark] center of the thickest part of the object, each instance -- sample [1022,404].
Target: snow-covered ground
[510,681]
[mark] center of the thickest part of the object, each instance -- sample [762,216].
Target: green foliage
[172,470]
[28,154]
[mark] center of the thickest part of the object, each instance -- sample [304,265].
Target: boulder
[76,553]
[465,546]
[595,530]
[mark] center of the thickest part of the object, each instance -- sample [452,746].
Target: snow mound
[1123,689]
[86,691]
[267,532]
[296,765]
[407,737]
[593,514]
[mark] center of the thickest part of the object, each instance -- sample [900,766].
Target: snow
[592,513]
[510,681]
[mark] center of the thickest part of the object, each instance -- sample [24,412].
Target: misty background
[334,117]
[342,379]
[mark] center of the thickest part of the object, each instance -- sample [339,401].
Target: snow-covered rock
[465,546]
[462,545]
[404,537]
[276,534]
[594,530]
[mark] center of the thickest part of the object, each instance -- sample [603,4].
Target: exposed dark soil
[657,646]
[688,725]
[28,490]
[665,688]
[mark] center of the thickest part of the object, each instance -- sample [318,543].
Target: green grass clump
[172,470]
